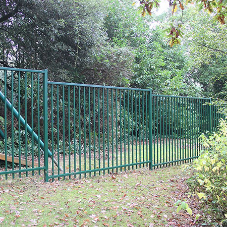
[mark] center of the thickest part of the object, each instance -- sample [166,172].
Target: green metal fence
[177,124]
[76,130]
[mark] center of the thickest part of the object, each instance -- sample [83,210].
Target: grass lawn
[135,198]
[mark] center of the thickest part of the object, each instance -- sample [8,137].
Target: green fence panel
[97,129]
[178,123]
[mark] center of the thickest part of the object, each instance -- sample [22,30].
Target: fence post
[150,130]
[45,118]
[210,116]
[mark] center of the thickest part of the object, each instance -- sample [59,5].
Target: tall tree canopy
[82,41]
[53,34]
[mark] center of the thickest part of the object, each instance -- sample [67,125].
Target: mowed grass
[134,198]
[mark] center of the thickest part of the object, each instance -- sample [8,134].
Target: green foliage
[19,146]
[161,68]
[209,179]
[109,65]
[207,52]
[182,205]
[216,8]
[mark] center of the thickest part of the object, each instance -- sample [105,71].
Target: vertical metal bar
[188,129]
[58,130]
[26,121]
[163,130]
[166,134]
[170,118]
[132,109]
[79,116]
[185,128]
[32,118]
[129,128]
[177,129]
[19,123]
[154,122]
[112,126]
[139,124]
[193,126]
[197,126]
[52,127]
[63,122]
[146,124]
[38,116]
[116,119]
[94,116]
[103,126]
[5,123]
[69,133]
[89,127]
[74,131]
[12,122]
[99,132]
[45,119]
[124,122]
[108,128]
[181,126]
[210,115]
[174,129]
[136,113]
[143,127]
[157,133]
[199,113]
[160,130]
[120,104]
[85,151]
[150,131]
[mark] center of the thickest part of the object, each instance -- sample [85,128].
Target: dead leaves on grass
[137,198]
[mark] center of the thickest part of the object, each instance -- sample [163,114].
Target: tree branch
[12,13]
[211,48]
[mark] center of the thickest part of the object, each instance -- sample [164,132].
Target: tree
[208,53]
[155,65]
[50,34]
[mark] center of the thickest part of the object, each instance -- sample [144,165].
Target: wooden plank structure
[17,160]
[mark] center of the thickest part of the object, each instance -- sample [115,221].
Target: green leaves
[210,171]
[182,205]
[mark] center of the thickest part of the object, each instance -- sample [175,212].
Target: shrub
[209,178]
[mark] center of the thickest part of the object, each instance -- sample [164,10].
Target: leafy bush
[209,178]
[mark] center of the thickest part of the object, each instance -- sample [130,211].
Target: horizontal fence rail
[73,130]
